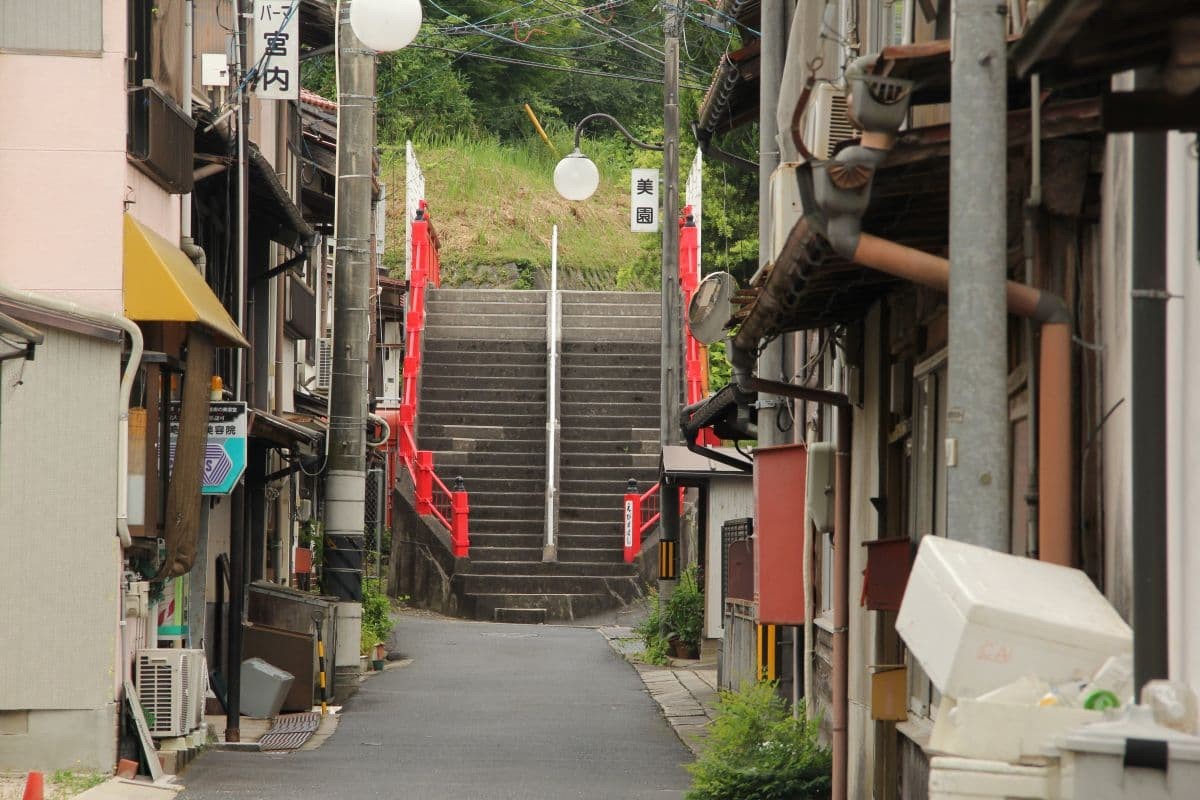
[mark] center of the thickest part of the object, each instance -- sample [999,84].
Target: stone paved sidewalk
[686,690]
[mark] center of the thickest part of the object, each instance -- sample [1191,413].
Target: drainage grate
[290,731]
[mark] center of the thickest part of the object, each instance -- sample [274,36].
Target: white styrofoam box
[976,779]
[1094,761]
[976,619]
[264,686]
[1003,731]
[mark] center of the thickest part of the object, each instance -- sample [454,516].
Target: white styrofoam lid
[1041,599]
[1136,722]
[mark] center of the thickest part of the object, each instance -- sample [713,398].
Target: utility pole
[977,416]
[672,317]
[345,481]
[773,44]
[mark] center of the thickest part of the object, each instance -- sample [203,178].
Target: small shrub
[376,616]
[756,750]
[684,614]
[650,631]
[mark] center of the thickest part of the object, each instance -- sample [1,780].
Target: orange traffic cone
[33,787]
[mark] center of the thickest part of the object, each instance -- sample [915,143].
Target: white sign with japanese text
[643,201]
[277,49]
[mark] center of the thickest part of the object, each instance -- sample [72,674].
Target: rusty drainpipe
[1054,399]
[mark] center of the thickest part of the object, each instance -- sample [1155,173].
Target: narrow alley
[484,711]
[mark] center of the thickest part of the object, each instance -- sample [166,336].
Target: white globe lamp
[385,25]
[576,177]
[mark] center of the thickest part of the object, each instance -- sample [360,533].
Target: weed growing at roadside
[69,784]
[376,616]
[650,630]
[756,750]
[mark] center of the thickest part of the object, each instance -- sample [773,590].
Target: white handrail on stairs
[553,342]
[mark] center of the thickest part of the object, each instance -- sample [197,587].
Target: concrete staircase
[483,413]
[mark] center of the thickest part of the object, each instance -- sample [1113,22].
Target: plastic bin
[263,688]
[975,779]
[1131,757]
[976,619]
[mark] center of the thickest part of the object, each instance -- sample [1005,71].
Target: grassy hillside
[493,206]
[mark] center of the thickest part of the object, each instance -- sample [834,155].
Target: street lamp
[385,25]
[576,176]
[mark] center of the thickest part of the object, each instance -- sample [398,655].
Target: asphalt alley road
[487,711]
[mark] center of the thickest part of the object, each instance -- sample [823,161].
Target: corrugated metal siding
[59,555]
[72,26]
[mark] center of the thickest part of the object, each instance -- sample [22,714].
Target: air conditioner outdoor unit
[827,123]
[171,692]
[324,364]
[786,208]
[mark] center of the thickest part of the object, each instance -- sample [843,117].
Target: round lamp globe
[576,177]
[385,25]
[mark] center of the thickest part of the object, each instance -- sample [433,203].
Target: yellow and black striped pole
[668,560]
[768,663]
[321,667]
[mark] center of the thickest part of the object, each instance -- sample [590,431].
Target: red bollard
[633,522]
[460,536]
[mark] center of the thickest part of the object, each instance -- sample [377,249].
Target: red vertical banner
[632,528]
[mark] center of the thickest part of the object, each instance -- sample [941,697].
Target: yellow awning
[163,285]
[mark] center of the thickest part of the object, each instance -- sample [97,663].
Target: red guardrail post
[633,521]
[424,482]
[460,537]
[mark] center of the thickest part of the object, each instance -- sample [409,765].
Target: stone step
[577,458]
[436,349]
[447,305]
[575,308]
[474,462]
[487,295]
[577,501]
[501,376]
[439,331]
[558,607]
[508,511]
[519,616]
[608,433]
[441,441]
[505,553]
[597,511]
[535,528]
[484,434]
[481,538]
[482,392]
[594,320]
[613,379]
[579,296]
[554,568]
[500,323]
[467,362]
[621,586]
[593,348]
[610,337]
[589,555]
[515,415]
[644,399]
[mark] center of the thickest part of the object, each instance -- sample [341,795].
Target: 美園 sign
[277,49]
[225,447]
[643,201]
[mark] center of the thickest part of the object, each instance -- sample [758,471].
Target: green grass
[64,783]
[493,205]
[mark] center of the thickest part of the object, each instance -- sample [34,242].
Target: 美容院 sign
[225,447]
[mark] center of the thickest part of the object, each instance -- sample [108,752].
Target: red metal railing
[696,356]
[449,506]
[642,510]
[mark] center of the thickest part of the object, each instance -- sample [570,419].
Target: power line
[553,67]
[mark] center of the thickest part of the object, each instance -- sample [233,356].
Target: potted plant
[684,615]
[379,656]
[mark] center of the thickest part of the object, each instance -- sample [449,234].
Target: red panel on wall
[779,474]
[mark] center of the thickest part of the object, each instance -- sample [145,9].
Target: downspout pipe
[131,367]
[1054,400]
